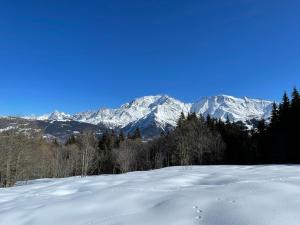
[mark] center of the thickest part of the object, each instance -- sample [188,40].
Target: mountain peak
[163,111]
[236,109]
[59,116]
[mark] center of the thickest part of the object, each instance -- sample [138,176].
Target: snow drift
[211,195]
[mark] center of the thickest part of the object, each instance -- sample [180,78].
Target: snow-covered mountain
[54,116]
[235,109]
[161,112]
[164,108]
[59,116]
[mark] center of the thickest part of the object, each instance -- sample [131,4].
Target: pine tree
[295,127]
[284,108]
[274,116]
[181,119]
[192,116]
[208,119]
[295,99]
[279,132]
[260,140]
[261,126]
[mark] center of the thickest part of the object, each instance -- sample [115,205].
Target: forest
[195,141]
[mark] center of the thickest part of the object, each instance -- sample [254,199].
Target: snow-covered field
[211,195]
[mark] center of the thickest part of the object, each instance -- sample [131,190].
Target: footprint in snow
[199,212]
[230,201]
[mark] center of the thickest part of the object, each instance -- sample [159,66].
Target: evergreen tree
[295,127]
[208,120]
[192,116]
[181,119]
[274,116]
[104,157]
[295,99]
[284,108]
[280,132]
[260,144]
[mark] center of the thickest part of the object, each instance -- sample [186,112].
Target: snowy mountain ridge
[162,111]
[235,109]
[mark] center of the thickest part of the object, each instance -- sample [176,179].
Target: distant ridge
[153,114]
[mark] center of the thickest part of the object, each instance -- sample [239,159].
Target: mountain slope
[154,114]
[235,109]
[164,107]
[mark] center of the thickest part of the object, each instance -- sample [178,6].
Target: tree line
[195,141]
[279,140]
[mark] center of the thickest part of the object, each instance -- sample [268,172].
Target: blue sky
[79,55]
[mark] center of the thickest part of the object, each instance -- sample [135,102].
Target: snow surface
[209,195]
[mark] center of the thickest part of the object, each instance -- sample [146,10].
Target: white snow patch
[7,129]
[211,195]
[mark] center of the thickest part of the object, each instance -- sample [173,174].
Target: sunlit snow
[211,195]
[166,110]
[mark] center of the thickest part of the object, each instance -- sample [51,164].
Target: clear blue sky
[78,55]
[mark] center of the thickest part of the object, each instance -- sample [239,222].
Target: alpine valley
[151,114]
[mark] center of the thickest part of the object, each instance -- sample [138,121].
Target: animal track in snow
[199,212]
